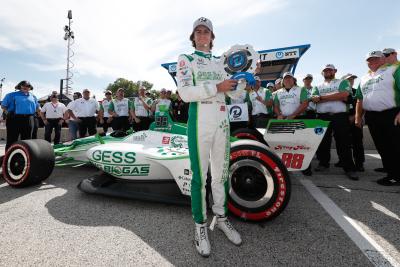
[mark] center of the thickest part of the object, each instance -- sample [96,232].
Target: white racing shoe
[201,240]
[225,226]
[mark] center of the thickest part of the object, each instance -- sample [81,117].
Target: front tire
[259,183]
[28,162]
[250,134]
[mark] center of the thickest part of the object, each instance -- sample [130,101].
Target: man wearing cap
[52,114]
[331,97]
[390,56]
[83,111]
[291,101]
[142,108]
[379,97]
[310,111]
[122,111]
[356,133]
[201,83]
[161,104]
[20,107]
[72,123]
[104,117]
[260,99]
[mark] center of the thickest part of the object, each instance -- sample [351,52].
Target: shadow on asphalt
[300,234]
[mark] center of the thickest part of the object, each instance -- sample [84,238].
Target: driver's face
[202,36]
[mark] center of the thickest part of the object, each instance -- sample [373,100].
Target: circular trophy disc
[239,58]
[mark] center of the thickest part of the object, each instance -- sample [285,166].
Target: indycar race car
[154,164]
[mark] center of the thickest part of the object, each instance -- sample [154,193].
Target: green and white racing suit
[208,129]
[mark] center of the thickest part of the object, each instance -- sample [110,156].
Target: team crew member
[260,99]
[161,104]
[104,117]
[330,97]
[390,56]
[83,111]
[142,106]
[121,110]
[379,96]
[310,111]
[52,114]
[72,123]
[208,131]
[356,133]
[180,109]
[290,101]
[20,107]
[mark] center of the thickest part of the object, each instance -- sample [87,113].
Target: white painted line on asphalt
[369,247]
[377,156]
[345,189]
[385,210]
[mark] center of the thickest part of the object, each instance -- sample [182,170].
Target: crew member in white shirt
[83,110]
[161,104]
[104,117]
[72,124]
[142,108]
[331,97]
[52,114]
[121,110]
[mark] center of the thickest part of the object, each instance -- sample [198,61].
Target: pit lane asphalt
[56,224]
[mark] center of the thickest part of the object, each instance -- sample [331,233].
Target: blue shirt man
[20,107]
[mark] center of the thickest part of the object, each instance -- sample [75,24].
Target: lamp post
[69,37]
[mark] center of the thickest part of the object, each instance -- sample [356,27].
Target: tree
[131,88]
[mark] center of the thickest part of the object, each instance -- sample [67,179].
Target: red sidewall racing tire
[259,183]
[250,134]
[28,162]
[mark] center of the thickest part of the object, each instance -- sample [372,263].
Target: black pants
[357,145]
[48,130]
[120,123]
[339,125]
[386,137]
[144,124]
[260,120]
[35,127]
[18,126]
[106,125]
[87,125]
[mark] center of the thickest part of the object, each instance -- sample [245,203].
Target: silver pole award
[240,63]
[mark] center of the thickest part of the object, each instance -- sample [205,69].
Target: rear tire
[28,162]
[259,183]
[250,134]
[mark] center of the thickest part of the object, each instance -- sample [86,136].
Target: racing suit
[208,129]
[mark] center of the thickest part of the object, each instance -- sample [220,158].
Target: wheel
[28,162]
[249,133]
[259,183]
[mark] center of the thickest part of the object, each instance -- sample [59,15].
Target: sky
[131,39]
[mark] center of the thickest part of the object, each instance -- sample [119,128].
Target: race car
[154,164]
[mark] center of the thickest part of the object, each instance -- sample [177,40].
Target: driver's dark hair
[191,38]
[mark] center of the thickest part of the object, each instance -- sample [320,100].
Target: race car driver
[201,82]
